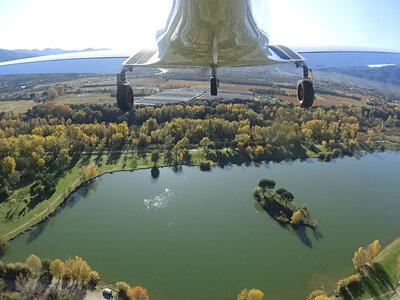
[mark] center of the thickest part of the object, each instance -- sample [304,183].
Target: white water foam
[160,201]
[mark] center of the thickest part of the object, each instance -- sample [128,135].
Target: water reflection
[155,172]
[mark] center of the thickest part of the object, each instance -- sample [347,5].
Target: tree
[281,191]
[123,289]
[297,218]
[57,269]
[8,165]
[205,142]
[266,184]
[288,196]
[363,257]
[253,294]
[321,297]
[155,156]
[138,293]
[317,295]
[34,264]
[77,269]
[94,279]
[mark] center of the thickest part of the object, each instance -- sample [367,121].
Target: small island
[279,205]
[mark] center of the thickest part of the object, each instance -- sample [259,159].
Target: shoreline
[65,193]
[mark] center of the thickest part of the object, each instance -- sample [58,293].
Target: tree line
[49,136]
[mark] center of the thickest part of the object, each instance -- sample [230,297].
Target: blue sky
[118,24]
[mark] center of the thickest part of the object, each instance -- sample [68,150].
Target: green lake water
[200,235]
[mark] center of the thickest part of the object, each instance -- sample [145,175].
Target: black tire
[214,86]
[125,97]
[305,93]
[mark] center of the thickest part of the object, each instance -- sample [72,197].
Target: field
[17,106]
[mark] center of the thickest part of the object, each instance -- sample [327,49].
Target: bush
[205,165]
[123,289]
[94,279]
[321,155]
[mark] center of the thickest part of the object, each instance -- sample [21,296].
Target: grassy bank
[19,216]
[382,280]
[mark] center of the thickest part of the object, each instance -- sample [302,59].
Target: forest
[41,144]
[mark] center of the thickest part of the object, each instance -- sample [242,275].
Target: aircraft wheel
[305,93]
[125,97]
[214,86]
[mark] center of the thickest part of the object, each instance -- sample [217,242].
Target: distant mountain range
[6,55]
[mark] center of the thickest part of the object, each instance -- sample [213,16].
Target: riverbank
[380,285]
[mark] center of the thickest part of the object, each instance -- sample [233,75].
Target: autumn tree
[34,264]
[57,269]
[363,257]
[138,293]
[87,172]
[77,269]
[93,279]
[8,165]
[317,295]
[253,294]
[297,218]
[123,289]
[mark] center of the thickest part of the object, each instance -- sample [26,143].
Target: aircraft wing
[107,61]
[335,57]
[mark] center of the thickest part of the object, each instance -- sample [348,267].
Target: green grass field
[17,106]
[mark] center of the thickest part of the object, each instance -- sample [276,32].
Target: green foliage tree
[266,184]
[288,196]
[155,156]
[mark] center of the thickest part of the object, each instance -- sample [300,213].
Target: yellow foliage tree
[57,268]
[138,293]
[77,269]
[297,218]
[317,293]
[259,150]
[87,172]
[253,294]
[321,297]
[34,263]
[362,256]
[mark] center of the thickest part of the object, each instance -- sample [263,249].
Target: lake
[200,235]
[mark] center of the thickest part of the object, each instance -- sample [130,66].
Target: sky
[132,24]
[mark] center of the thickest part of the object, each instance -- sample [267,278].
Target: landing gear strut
[305,89]
[124,92]
[214,82]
